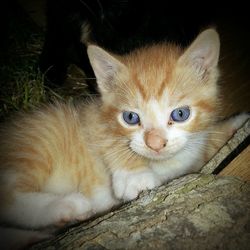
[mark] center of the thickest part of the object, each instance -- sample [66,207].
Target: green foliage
[21,83]
[27,90]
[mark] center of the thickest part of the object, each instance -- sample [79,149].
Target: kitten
[157,110]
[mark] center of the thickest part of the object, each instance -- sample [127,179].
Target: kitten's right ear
[105,66]
[203,53]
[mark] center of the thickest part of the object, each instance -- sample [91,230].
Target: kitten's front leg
[36,210]
[127,184]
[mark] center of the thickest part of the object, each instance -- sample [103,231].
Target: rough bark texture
[192,212]
[198,211]
[225,151]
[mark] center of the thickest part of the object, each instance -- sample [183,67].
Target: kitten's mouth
[154,155]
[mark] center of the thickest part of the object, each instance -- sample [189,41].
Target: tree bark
[192,212]
[197,211]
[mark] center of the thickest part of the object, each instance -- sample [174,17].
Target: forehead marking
[140,87]
[156,115]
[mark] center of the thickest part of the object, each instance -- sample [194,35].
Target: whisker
[122,157]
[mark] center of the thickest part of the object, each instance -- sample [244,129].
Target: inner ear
[107,68]
[203,53]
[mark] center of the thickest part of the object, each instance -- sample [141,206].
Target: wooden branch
[198,211]
[229,148]
[193,212]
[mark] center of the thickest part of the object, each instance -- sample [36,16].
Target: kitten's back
[35,145]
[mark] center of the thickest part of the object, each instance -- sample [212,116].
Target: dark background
[120,26]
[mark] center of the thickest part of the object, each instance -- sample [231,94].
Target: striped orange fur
[65,162]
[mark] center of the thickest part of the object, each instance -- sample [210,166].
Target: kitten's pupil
[130,116]
[180,113]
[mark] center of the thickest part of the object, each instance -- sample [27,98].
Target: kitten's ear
[105,66]
[204,51]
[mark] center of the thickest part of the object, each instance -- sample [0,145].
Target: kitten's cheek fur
[128,184]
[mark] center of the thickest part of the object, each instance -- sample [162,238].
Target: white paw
[237,121]
[128,184]
[69,208]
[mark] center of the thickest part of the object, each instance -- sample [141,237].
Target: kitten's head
[160,98]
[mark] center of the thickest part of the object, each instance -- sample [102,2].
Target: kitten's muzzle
[155,139]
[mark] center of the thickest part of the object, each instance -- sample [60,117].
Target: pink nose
[155,140]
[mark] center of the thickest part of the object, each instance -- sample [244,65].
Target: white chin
[158,156]
[152,155]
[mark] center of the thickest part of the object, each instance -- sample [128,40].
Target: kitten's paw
[72,207]
[239,120]
[127,184]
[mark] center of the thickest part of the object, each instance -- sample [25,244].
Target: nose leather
[155,139]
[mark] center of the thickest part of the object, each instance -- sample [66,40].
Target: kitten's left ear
[108,70]
[204,51]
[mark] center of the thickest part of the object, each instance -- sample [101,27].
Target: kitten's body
[68,162]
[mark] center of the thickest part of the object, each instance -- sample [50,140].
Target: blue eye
[130,117]
[180,114]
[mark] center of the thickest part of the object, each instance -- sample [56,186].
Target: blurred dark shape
[117,25]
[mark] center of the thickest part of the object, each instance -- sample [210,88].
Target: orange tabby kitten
[157,111]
